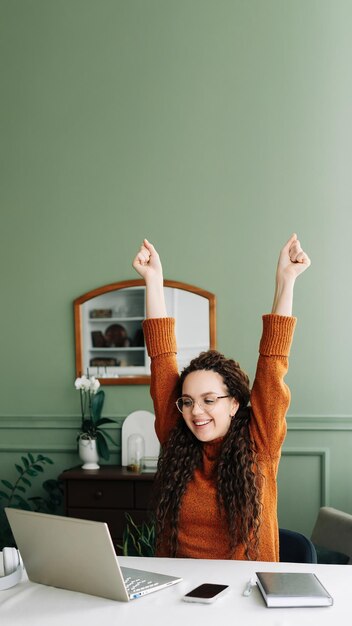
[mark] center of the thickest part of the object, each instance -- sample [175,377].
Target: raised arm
[148,265]
[270,396]
[292,262]
[159,332]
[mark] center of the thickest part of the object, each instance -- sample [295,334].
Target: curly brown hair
[238,474]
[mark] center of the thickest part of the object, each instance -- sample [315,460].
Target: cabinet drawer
[143,494]
[100,494]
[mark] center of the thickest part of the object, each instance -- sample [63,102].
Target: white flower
[82,383]
[85,383]
[89,385]
[78,383]
[94,384]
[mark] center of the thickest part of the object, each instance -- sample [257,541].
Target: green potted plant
[138,540]
[92,439]
[14,493]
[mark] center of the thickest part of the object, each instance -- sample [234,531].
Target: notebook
[286,589]
[78,555]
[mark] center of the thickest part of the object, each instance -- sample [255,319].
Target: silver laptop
[78,555]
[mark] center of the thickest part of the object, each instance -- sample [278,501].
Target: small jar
[135,452]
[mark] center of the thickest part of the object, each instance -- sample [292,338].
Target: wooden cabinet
[106,494]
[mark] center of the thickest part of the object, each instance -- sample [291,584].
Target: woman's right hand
[147,262]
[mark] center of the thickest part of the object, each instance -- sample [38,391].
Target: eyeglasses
[185,404]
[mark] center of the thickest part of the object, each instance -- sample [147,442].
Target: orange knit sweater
[202,531]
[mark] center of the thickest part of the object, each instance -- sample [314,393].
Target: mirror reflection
[109,336]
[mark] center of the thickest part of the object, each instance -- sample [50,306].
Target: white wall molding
[40,449]
[324,458]
[62,422]
[72,422]
[320,422]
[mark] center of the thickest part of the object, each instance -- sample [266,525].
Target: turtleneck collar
[211,449]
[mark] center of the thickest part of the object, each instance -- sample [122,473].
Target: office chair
[295,547]
[332,536]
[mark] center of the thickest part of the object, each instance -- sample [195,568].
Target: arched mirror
[108,329]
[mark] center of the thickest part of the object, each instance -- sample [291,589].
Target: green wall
[215,128]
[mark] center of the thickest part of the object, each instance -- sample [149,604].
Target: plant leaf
[25,461]
[39,503]
[4,495]
[97,404]
[135,545]
[125,547]
[138,540]
[7,484]
[108,436]
[104,420]
[46,460]
[130,521]
[52,485]
[19,468]
[102,446]
[31,457]
[24,504]
[26,481]
[38,468]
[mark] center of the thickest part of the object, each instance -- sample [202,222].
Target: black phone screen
[207,590]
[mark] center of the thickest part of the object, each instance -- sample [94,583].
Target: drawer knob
[98,495]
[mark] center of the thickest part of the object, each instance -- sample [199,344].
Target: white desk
[30,604]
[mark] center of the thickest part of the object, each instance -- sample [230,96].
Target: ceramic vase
[88,453]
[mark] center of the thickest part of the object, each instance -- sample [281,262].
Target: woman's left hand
[293,261]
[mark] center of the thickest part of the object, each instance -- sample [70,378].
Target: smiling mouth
[201,422]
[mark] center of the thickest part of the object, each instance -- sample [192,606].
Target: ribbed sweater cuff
[277,335]
[159,334]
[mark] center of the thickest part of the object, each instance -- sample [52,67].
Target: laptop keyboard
[136,585]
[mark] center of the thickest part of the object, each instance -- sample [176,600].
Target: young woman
[216,481]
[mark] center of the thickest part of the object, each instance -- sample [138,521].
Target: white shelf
[105,320]
[127,308]
[117,371]
[127,349]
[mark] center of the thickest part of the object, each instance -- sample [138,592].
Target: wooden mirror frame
[134,379]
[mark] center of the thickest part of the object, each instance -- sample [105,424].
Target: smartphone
[206,593]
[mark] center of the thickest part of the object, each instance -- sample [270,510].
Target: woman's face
[207,417]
